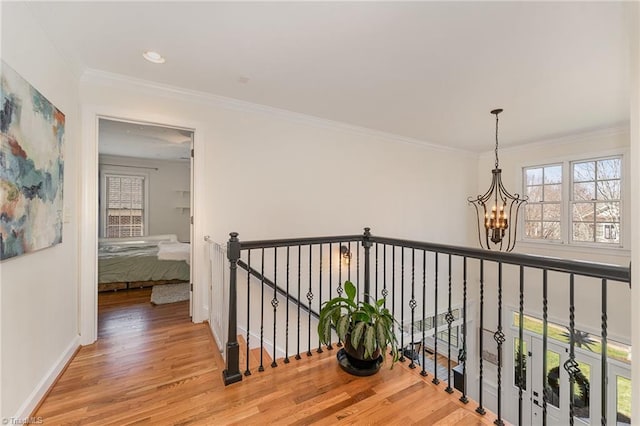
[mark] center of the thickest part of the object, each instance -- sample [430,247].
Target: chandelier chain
[496,141]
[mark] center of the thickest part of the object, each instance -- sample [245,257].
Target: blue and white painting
[31,167]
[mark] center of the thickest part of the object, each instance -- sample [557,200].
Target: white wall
[588,291]
[169,186]
[634,16]
[584,146]
[267,173]
[39,311]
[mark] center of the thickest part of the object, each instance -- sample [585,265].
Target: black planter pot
[353,361]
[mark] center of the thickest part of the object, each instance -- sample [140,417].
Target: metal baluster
[286,340]
[358,266]
[339,289]
[261,368]
[329,346]
[310,299]
[319,298]
[349,264]
[247,372]
[435,380]
[393,285]
[521,353]
[463,355]
[498,336]
[604,354]
[385,292]
[449,318]
[274,303]
[377,294]
[412,305]
[298,357]
[424,308]
[571,366]
[402,359]
[480,409]
[545,379]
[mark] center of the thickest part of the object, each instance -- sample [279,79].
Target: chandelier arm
[486,237]
[477,221]
[487,195]
[514,196]
[514,219]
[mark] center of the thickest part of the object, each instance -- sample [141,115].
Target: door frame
[88,212]
[534,343]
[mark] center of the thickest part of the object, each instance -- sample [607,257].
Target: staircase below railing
[429,288]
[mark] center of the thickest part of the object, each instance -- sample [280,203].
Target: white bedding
[173,250]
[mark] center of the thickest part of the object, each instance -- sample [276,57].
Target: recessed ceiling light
[154,57]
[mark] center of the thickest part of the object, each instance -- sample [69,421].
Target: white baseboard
[41,389]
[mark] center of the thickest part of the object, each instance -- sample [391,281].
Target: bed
[141,262]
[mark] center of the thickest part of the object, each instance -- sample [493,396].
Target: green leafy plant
[370,325]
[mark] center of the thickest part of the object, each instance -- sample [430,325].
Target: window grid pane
[580,392]
[596,203]
[623,400]
[519,358]
[543,185]
[125,206]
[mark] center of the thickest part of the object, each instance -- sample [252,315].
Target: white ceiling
[425,70]
[143,140]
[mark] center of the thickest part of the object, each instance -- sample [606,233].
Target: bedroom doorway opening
[145,224]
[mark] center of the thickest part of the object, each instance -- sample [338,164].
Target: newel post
[366,243]
[232,373]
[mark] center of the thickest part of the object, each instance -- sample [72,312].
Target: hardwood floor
[151,365]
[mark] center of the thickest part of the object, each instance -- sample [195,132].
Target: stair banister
[366,243]
[232,373]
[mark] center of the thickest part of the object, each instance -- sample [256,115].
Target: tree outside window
[595,206]
[592,213]
[542,214]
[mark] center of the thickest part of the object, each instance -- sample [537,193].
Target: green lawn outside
[557,332]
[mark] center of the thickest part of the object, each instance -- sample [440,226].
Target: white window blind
[124,206]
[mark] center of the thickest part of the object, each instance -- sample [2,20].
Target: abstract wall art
[31,167]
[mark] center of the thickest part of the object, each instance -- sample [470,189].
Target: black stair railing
[310,279]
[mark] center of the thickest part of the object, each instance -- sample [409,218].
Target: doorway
[145,175]
[586,392]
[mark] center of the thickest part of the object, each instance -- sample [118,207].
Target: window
[124,200]
[543,186]
[623,400]
[519,362]
[595,212]
[590,342]
[584,208]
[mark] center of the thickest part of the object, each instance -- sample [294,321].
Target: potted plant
[367,330]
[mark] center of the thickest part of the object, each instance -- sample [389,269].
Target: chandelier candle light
[499,233]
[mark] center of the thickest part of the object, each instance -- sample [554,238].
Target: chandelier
[497,210]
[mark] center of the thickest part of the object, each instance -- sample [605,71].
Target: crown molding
[93,76]
[601,132]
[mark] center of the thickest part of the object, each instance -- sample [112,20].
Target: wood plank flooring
[151,365]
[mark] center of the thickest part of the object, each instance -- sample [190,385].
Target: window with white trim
[124,198]
[583,208]
[595,200]
[542,214]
